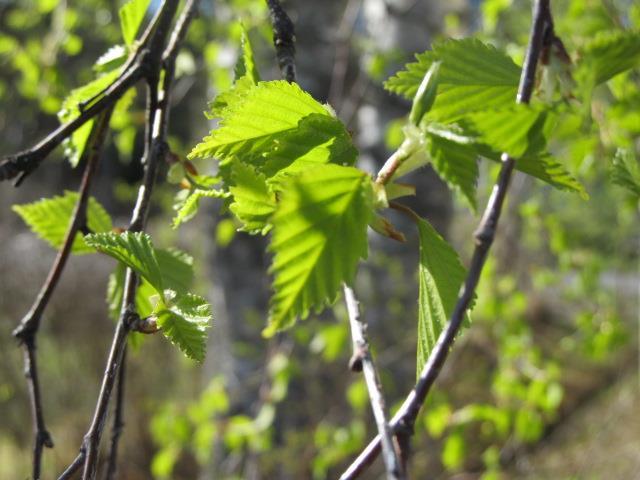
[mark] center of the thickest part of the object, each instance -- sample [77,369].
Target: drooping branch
[283,39]
[27,331]
[405,418]
[363,361]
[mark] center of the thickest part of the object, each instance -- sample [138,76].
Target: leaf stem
[402,422]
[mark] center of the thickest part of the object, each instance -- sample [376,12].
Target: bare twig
[118,421]
[403,421]
[27,330]
[363,361]
[283,39]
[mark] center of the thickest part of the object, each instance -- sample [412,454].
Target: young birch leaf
[74,145]
[546,168]
[514,130]
[176,269]
[49,219]
[256,120]
[440,277]
[246,65]
[456,164]
[609,54]
[131,15]
[253,199]
[133,250]
[185,323]
[319,235]
[473,76]
[317,139]
[187,202]
[626,172]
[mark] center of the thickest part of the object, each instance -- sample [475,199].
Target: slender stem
[403,421]
[362,360]
[118,421]
[27,330]
[283,39]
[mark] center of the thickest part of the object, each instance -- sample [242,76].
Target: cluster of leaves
[166,275]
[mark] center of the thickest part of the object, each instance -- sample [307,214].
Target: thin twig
[363,361]
[118,421]
[27,330]
[283,39]
[404,419]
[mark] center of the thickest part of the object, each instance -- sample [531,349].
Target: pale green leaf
[473,76]
[456,164]
[131,15]
[440,277]
[514,130]
[608,54]
[626,172]
[546,168]
[134,250]
[246,65]
[49,219]
[317,139]
[256,119]
[188,201]
[185,323]
[319,236]
[74,145]
[111,59]
[176,269]
[253,199]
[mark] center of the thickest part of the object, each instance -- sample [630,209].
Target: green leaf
[626,172]
[317,139]
[74,145]
[440,277]
[49,219]
[319,235]
[246,65]
[473,76]
[187,202]
[253,199]
[176,269]
[457,164]
[514,130]
[185,323]
[233,96]
[111,59]
[608,54]
[255,120]
[131,15]
[134,250]
[546,168]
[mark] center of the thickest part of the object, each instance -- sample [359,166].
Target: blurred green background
[543,385]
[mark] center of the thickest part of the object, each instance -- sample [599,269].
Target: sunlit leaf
[49,218]
[319,235]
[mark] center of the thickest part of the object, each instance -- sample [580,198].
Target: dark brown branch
[284,38]
[27,330]
[118,421]
[363,361]
[404,420]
